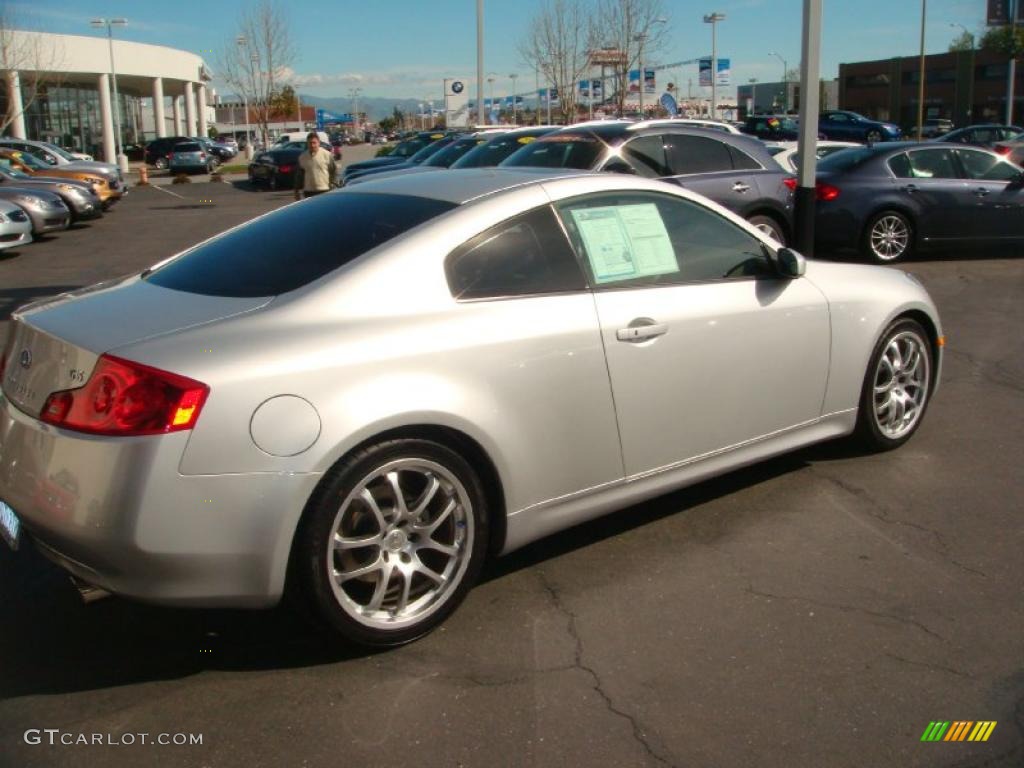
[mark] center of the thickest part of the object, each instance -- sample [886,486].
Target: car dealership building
[75,103]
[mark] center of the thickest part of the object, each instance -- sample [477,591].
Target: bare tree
[35,59]
[556,43]
[626,25]
[257,62]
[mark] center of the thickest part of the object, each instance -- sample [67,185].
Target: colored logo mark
[959,730]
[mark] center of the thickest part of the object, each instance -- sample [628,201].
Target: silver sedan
[358,398]
[15,226]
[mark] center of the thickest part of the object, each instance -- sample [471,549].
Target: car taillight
[285,168]
[1002,149]
[202,155]
[790,182]
[170,155]
[825,191]
[126,398]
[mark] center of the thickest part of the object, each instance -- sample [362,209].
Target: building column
[158,108]
[176,104]
[14,96]
[190,111]
[106,119]
[202,109]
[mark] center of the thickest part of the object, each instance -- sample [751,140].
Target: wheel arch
[775,215]
[926,322]
[455,439]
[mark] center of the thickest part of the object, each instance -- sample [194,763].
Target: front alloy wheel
[394,542]
[897,386]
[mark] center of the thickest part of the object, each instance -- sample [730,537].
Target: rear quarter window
[296,245]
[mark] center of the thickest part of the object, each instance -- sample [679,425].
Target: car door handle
[981,192]
[739,186]
[641,332]
[909,188]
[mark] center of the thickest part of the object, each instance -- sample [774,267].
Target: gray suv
[735,171]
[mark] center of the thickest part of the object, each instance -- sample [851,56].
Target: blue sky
[403,48]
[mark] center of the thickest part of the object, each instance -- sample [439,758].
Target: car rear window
[193,147]
[296,245]
[561,150]
[844,161]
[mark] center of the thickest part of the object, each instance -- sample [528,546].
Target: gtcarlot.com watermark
[57,737]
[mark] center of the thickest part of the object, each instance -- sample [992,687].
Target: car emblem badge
[26,359]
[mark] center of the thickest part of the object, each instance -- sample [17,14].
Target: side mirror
[790,263]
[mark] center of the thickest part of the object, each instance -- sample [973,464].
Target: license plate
[10,525]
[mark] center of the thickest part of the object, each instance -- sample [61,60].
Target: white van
[285,138]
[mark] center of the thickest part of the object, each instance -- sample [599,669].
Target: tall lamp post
[243,42]
[785,80]
[513,76]
[122,159]
[713,19]
[642,38]
[1012,73]
[480,118]
[920,79]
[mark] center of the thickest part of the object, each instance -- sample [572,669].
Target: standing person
[317,170]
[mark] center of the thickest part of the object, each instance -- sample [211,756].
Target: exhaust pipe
[88,592]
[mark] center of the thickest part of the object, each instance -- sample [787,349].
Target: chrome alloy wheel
[400,543]
[901,383]
[889,237]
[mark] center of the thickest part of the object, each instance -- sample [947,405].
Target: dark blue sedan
[842,125]
[889,199]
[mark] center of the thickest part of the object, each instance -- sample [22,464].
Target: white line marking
[167,191]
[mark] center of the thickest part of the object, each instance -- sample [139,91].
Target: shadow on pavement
[56,644]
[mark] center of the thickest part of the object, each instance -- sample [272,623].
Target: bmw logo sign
[457,86]
[26,358]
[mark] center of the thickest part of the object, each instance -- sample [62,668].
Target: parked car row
[43,191]
[187,154]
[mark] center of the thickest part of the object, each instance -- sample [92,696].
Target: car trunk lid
[56,342]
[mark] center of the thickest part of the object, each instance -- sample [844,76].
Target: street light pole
[242,42]
[920,84]
[1012,73]
[122,159]
[713,19]
[480,119]
[785,81]
[513,76]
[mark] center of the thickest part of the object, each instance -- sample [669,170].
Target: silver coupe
[358,398]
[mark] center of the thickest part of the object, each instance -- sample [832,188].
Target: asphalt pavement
[820,609]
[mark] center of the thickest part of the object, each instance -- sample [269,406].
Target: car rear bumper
[116,513]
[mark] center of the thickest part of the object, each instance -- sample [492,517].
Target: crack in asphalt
[929,665]
[864,495]
[638,733]
[847,609]
[1001,377]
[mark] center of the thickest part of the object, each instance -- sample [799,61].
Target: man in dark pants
[317,170]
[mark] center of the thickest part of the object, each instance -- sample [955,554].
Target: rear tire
[770,227]
[391,542]
[873,137]
[160,163]
[897,387]
[888,238]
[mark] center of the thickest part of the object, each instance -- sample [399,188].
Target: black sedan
[985,135]
[420,159]
[889,199]
[276,167]
[400,154]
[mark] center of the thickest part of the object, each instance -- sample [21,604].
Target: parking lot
[819,609]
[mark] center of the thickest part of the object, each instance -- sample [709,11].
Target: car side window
[983,166]
[741,161]
[523,256]
[932,164]
[646,239]
[647,155]
[838,118]
[900,166]
[696,154]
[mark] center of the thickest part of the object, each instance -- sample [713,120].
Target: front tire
[873,137]
[392,541]
[888,238]
[897,387]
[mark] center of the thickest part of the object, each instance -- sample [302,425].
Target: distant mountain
[374,107]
